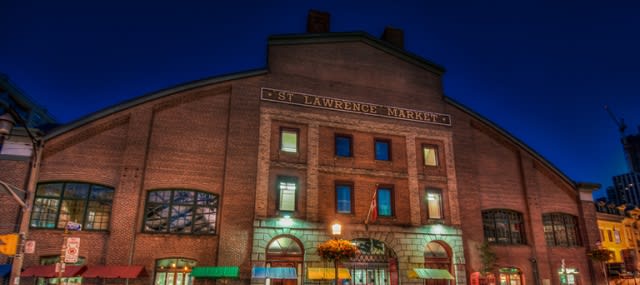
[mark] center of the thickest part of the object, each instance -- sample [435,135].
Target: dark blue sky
[542,70]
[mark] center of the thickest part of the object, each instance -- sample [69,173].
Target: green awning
[430,273]
[215,272]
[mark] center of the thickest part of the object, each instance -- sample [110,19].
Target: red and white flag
[372,215]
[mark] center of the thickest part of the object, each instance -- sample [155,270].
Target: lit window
[174,271]
[58,203]
[385,206]
[430,155]
[343,146]
[343,198]
[287,193]
[503,226]
[289,140]
[561,230]
[434,204]
[383,150]
[181,212]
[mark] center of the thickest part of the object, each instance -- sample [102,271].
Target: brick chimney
[317,22]
[393,36]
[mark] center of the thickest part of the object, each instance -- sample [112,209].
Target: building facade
[250,170]
[625,189]
[619,233]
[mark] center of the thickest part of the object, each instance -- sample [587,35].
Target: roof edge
[150,97]
[513,139]
[337,37]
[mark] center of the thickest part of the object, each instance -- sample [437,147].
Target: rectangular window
[610,235]
[434,204]
[383,149]
[287,193]
[385,202]
[343,198]
[430,155]
[343,146]
[289,140]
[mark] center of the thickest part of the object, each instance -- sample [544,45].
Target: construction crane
[621,125]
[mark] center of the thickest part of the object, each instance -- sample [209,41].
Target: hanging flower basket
[337,249]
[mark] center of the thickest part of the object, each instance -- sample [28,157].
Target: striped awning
[430,273]
[215,272]
[327,273]
[274,272]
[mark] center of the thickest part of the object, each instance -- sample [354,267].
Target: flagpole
[366,221]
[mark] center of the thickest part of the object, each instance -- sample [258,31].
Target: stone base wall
[407,243]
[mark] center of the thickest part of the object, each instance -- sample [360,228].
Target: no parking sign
[72,250]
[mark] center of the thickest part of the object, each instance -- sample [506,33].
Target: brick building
[250,170]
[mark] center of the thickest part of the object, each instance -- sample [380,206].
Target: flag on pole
[372,215]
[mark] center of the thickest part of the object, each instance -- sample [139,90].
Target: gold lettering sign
[307,100]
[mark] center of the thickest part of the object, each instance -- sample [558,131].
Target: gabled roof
[511,138]
[300,39]
[150,97]
[316,38]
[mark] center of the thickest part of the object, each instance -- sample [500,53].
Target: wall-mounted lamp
[6,124]
[336,229]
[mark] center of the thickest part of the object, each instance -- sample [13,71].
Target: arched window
[58,203]
[181,212]
[173,271]
[503,226]
[561,229]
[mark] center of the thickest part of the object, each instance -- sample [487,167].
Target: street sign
[30,246]
[73,226]
[72,249]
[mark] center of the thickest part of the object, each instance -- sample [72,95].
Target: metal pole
[26,211]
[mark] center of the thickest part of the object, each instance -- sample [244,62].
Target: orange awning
[323,273]
[115,271]
[49,271]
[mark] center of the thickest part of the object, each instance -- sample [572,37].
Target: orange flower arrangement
[337,249]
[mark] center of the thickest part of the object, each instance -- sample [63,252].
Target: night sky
[542,70]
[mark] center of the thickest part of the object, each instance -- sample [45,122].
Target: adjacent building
[226,176]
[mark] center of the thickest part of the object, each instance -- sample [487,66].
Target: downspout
[141,199]
[533,260]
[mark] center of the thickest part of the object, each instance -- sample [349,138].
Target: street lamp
[336,230]
[7,122]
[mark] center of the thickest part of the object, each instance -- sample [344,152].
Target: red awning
[115,271]
[49,271]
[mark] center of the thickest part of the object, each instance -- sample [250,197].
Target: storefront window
[174,271]
[510,276]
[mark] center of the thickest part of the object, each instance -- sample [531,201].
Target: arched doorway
[285,251]
[376,264]
[437,255]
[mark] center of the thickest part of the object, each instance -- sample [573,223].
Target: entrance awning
[49,271]
[5,269]
[430,273]
[115,271]
[325,273]
[274,272]
[215,272]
